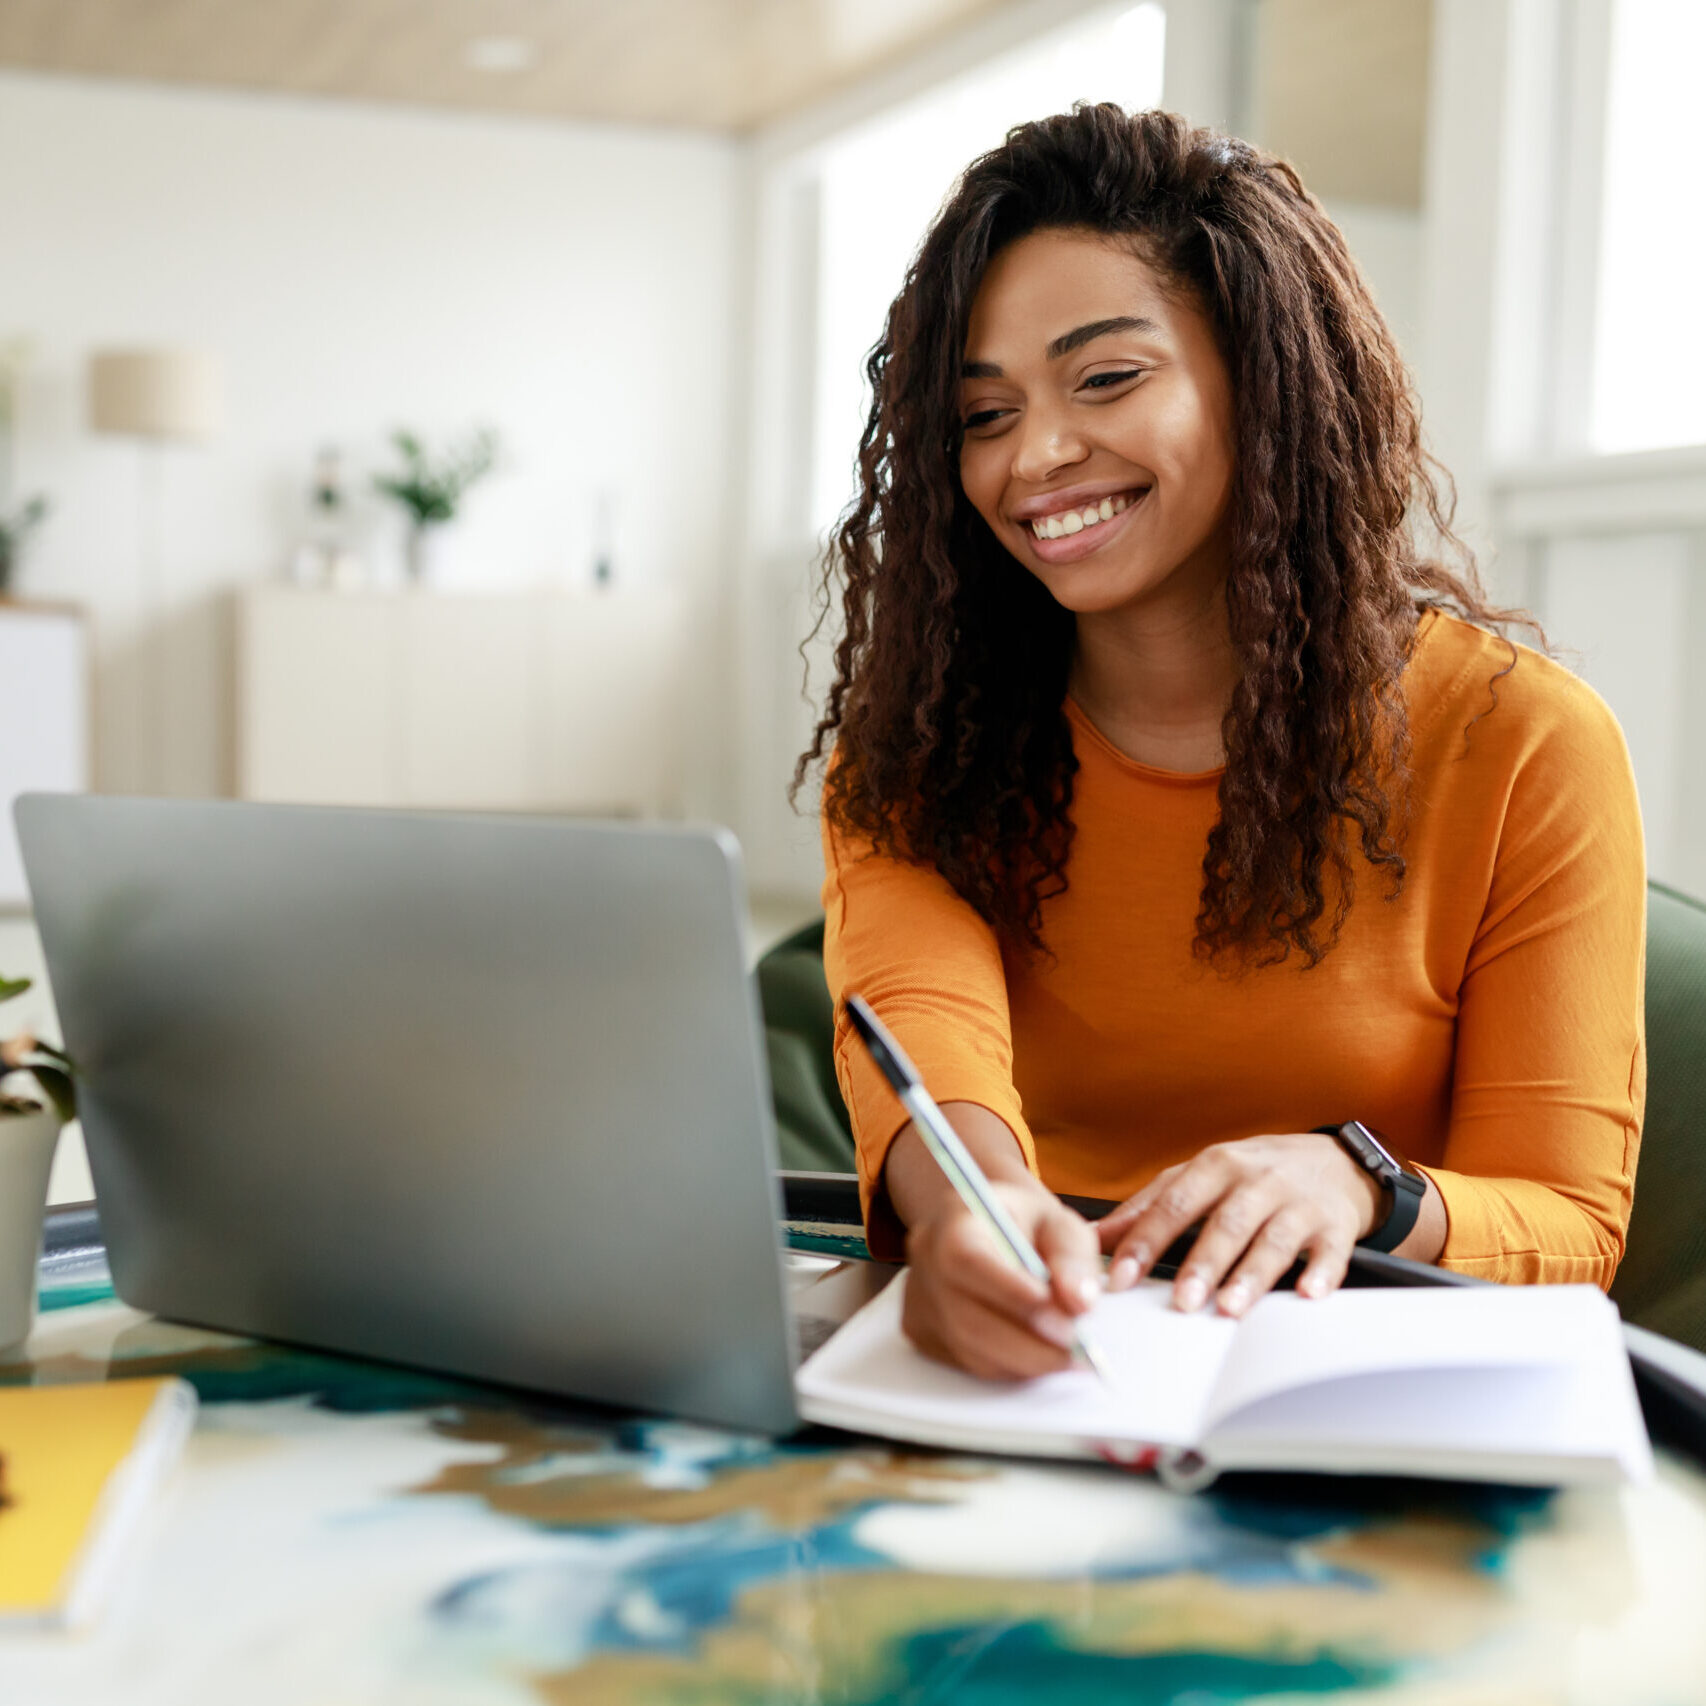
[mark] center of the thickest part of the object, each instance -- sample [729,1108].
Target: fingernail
[1088,1290]
[1141,1255]
[1235,1299]
[1057,1328]
[1122,1276]
[1311,1285]
[1189,1294]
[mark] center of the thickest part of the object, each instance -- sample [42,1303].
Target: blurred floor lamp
[156,396]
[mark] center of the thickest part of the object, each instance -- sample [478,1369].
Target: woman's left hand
[1263,1201]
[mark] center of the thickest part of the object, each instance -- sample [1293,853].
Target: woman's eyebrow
[1079,336]
[1067,342]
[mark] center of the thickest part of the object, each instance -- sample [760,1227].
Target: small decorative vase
[26,1158]
[429,552]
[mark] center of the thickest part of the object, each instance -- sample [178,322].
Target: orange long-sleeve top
[1488,1021]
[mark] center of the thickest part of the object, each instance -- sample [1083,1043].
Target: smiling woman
[1185,819]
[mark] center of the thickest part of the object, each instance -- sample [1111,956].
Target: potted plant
[431,488]
[37,1096]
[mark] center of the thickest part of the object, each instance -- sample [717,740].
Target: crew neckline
[1430,619]
[1149,772]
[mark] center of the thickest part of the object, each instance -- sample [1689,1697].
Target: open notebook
[1523,1384]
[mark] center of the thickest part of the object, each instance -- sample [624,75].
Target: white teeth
[1065,522]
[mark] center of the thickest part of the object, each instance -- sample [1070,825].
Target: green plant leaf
[10,986]
[431,489]
[59,1089]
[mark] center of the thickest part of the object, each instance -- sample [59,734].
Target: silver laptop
[483,1094]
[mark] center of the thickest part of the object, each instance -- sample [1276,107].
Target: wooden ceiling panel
[1340,89]
[717,64]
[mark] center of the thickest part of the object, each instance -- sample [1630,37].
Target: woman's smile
[1073,532]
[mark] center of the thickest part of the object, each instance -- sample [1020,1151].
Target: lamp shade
[156,393]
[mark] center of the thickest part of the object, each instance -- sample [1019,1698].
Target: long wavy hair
[946,712]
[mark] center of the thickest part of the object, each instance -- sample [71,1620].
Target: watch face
[1375,1155]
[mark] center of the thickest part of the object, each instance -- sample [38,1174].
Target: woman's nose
[1045,444]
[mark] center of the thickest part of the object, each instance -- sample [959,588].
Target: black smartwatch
[1404,1189]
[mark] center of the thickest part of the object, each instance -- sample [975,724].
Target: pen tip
[1093,1359]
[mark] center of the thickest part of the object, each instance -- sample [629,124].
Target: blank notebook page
[1289,1341]
[1536,1369]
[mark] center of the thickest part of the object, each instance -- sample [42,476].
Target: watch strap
[1404,1189]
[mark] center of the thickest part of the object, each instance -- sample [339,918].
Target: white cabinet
[44,718]
[507,702]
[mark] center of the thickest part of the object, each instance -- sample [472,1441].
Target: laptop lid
[483,1094]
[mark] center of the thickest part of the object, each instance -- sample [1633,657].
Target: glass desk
[343,1532]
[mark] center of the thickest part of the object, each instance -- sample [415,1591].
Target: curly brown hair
[951,743]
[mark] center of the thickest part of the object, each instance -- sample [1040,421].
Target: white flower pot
[26,1158]
[431,552]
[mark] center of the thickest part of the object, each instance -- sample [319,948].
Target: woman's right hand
[967,1302]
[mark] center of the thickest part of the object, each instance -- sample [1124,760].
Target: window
[1649,380]
[882,183]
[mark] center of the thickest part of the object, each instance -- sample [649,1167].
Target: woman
[1181,807]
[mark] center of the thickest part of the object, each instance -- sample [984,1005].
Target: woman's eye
[1103,381]
[982,418]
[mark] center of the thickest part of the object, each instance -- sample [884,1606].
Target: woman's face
[1098,424]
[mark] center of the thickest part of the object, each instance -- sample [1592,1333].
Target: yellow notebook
[80,1466]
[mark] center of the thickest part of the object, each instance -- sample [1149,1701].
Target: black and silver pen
[949,1152]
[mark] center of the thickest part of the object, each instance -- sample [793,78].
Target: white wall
[1387,243]
[357,269]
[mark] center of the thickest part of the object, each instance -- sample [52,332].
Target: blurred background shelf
[551,702]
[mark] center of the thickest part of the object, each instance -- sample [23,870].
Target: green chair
[1661,1284]
[813,1132]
